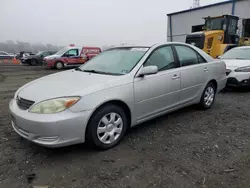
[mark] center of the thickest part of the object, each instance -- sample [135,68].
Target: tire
[208,96]
[33,62]
[106,127]
[224,90]
[59,65]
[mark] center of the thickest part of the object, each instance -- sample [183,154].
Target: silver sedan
[116,90]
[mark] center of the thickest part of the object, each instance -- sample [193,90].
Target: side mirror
[148,70]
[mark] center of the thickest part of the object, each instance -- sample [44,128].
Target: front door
[156,93]
[194,73]
[70,57]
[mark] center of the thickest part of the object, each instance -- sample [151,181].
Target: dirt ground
[185,149]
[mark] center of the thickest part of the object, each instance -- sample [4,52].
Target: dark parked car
[36,59]
[22,54]
[5,55]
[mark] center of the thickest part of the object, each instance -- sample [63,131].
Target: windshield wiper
[78,69]
[91,71]
[101,72]
[240,58]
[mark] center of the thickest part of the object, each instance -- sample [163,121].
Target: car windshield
[115,62]
[62,51]
[39,53]
[237,53]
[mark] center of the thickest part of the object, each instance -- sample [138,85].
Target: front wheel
[208,96]
[59,65]
[107,127]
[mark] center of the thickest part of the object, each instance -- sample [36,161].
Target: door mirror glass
[148,70]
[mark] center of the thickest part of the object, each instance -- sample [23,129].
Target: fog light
[245,81]
[48,139]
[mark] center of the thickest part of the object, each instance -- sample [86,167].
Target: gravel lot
[188,148]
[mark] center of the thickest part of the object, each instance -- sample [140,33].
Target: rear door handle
[175,77]
[206,69]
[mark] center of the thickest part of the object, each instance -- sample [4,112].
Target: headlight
[50,58]
[54,105]
[243,69]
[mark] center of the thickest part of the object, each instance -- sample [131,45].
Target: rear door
[194,72]
[87,53]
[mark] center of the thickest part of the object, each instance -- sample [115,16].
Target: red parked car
[70,56]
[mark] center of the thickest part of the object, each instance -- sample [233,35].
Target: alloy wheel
[109,128]
[209,96]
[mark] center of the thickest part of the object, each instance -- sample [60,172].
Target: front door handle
[206,69]
[175,77]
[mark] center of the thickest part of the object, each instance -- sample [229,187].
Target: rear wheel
[59,65]
[107,127]
[208,96]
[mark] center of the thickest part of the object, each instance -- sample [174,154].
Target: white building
[184,22]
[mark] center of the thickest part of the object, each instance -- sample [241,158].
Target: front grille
[24,104]
[228,71]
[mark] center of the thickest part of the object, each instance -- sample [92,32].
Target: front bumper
[50,130]
[237,79]
[233,82]
[48,63]
[24,61]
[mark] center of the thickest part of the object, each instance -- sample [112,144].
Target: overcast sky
[88,22]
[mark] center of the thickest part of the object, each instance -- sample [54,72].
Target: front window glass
[232,26]
[72,52]
[215,24]
[116,61]
[163,58]
[237,53]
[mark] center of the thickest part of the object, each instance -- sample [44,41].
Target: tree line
[11,46]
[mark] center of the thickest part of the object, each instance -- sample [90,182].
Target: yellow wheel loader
[219,35]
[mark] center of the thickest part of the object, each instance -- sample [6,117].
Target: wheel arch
[58,61]
[116,102]
[214,82]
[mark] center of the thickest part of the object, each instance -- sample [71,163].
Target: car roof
[148,46]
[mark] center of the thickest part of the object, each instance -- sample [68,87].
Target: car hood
[236,63]
[68,83]
[52,57]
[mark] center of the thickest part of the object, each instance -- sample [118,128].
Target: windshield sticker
[139,49]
